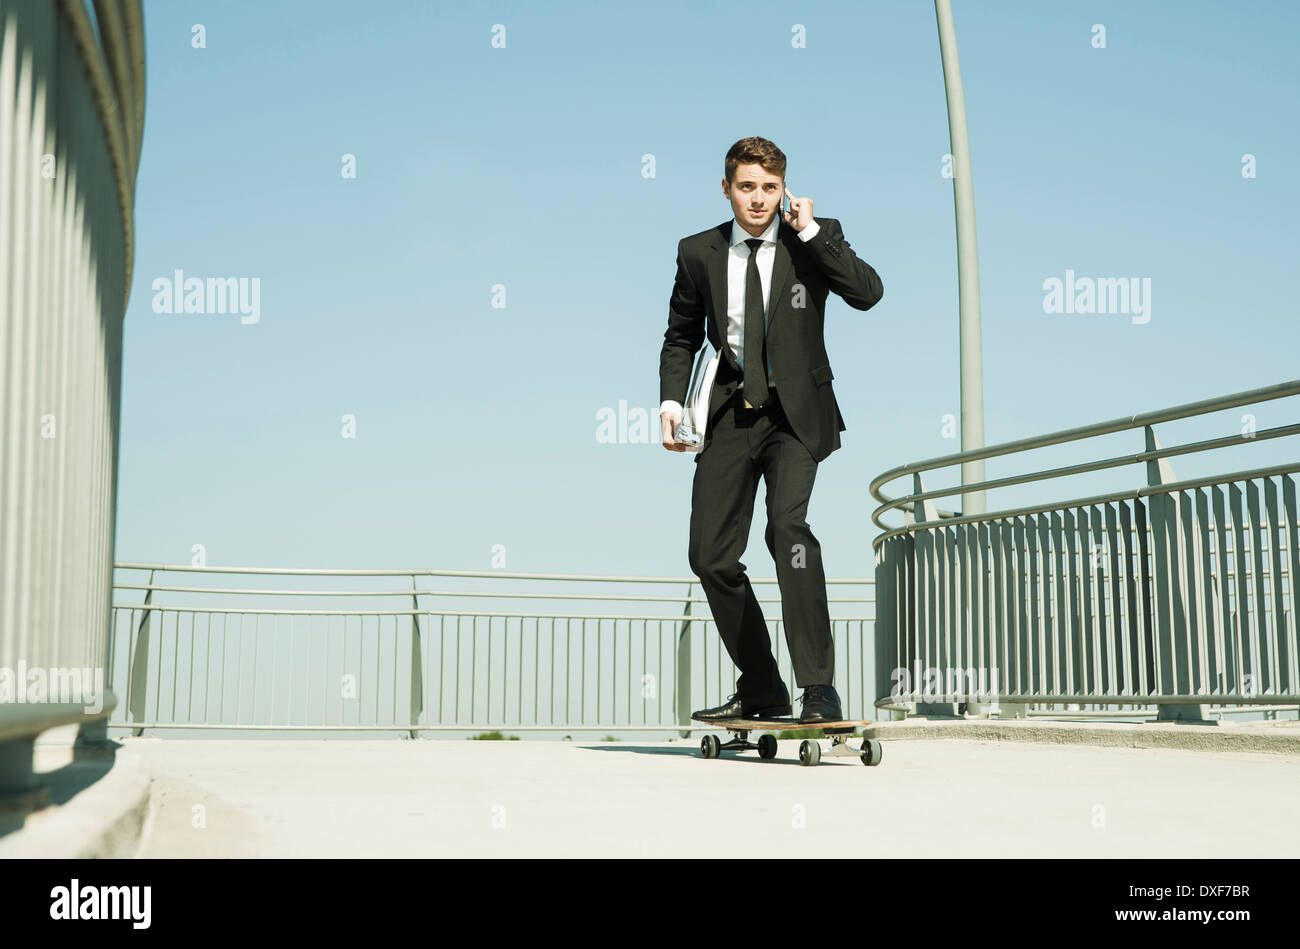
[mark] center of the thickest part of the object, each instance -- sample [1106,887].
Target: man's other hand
[669,421]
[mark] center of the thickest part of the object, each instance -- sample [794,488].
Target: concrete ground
[950,798]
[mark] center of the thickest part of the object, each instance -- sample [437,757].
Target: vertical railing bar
[176,661]
[189,711]
[288,711]
[1117,524]
[157,683]
[659,681]
[239,671]
[306,686]
[1066,601]
[1104,616]
[207,668]
[1277,641]
[325,672]
[1240,613]
[1205,590]
[1089,664]
[1228,657]
[1042,598]
[1293,644]
[1144,599]
[537,651]
[1259,628]
[275,647]
[225,641]
[257,647]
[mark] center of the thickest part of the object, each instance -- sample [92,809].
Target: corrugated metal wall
[71,119]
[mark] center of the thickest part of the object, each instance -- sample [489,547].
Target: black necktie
[755,348]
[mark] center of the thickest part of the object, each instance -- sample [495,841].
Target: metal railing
[71,124]
[474,654]
[1177,595]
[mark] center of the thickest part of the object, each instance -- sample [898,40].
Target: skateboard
[810,751]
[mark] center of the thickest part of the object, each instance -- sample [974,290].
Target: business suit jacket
[803,272]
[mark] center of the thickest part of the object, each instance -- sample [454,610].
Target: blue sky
[477,426]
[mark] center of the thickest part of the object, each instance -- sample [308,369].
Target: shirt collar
[740,235]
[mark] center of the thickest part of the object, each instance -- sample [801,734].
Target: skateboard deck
[781,724]
[810,750]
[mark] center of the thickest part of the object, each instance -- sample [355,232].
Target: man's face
[755,196]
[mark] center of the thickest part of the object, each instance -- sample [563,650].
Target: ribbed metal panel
[70,131]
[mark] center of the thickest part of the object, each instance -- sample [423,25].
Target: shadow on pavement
[61,785]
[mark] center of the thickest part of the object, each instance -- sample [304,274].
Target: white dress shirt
[737,270]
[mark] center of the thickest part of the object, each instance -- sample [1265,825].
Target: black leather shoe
[770,705]
[820,704]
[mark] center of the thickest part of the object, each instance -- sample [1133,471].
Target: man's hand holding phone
[800,214]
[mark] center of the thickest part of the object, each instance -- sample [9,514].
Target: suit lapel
[781,271]
[717,269]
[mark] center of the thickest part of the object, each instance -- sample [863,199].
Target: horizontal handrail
[1171,487]
[1281,390]
[432,572]
[1088,466]
[250,611]
[1188,410]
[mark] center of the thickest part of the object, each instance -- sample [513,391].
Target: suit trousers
[748,444]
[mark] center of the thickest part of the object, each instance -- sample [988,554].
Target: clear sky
[522,167]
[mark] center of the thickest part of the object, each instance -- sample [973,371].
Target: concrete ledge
[105,805]
[1281,738]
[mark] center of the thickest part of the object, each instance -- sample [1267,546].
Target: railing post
[895,618]
[1170,606]
[925,512]
[682,671]
[138,678]
[417,664]
[92,737]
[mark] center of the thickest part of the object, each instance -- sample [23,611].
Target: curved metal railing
[1177,593]
[71,125]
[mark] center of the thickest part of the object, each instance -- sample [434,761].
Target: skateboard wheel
[809,752]
[767,747]
[871,751]
[710,747]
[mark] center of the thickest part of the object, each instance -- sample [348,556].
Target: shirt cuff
[670,406]
[809,232]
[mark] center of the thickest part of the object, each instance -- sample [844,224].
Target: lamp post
[968,277]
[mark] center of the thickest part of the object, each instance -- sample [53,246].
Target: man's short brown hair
[754,151]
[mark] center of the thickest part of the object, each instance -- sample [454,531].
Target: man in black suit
[756,287]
